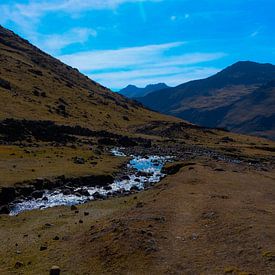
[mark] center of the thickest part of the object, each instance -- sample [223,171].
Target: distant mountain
[240,98]
[133,91]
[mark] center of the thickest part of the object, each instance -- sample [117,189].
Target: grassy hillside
[212,214]
[35,86]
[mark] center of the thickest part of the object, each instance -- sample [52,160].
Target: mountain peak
[133,91]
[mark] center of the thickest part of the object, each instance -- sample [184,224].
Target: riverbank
[195,221]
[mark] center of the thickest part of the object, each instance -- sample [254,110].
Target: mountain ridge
[205,102]
[34,86]
[133,91]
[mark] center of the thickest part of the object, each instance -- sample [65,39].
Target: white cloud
[55,42]
[172,76]
[35,9]
[254,34]
[142,65]
[173,18]
[145,56]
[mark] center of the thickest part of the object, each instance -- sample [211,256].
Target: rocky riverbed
[140,173]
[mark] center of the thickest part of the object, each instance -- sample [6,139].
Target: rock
[134,188]
[139,205]
[84,192]
[37,194]
[127,142]
[73,208]
[86,213]
[227,139]
[79,160]
[172,169]
[97,195]
[7,194]
[66,192]
[5,84]
[143,174]
[55,270]
[18,264]
[107,188]
[4,209]
[56,238]
[43,247]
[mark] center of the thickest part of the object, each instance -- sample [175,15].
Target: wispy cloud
[36,8]
[149,55]
[55,42]
[142,65]
[172,76]
[121,58]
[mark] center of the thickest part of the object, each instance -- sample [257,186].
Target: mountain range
[94,183]
[240,98]
[133,91]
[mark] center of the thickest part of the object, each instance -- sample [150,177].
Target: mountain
[133,91]
[218,101]
[34,85]
[82,186]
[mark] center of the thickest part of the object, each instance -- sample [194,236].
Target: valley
[95,183]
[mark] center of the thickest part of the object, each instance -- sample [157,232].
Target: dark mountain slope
[211,102]
[133,91]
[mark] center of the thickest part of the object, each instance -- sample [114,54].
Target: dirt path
[202,220]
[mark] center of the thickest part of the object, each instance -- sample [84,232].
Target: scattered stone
[18,264]
[66,192]
[79,160]
[209,215]
[43,247]
[56,238]
[48,224]
[134,188]
[139,205]
[37,194]
[172,169]
[97,195]
[4,209]
[86,213]
[80,221]
[73,207]
[55,270]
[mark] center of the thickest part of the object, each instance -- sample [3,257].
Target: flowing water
[143,172]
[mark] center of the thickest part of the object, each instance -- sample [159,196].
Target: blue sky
[121,42]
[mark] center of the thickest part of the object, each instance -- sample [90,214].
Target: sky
[140,42]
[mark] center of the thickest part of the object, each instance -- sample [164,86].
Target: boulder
[55,270]
[37,194]
[172,169]
[79,160]
[4,209]
[7,194]
[97,196]
[73,208]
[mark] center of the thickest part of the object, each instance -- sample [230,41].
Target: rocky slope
[224,100]
[133,91]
